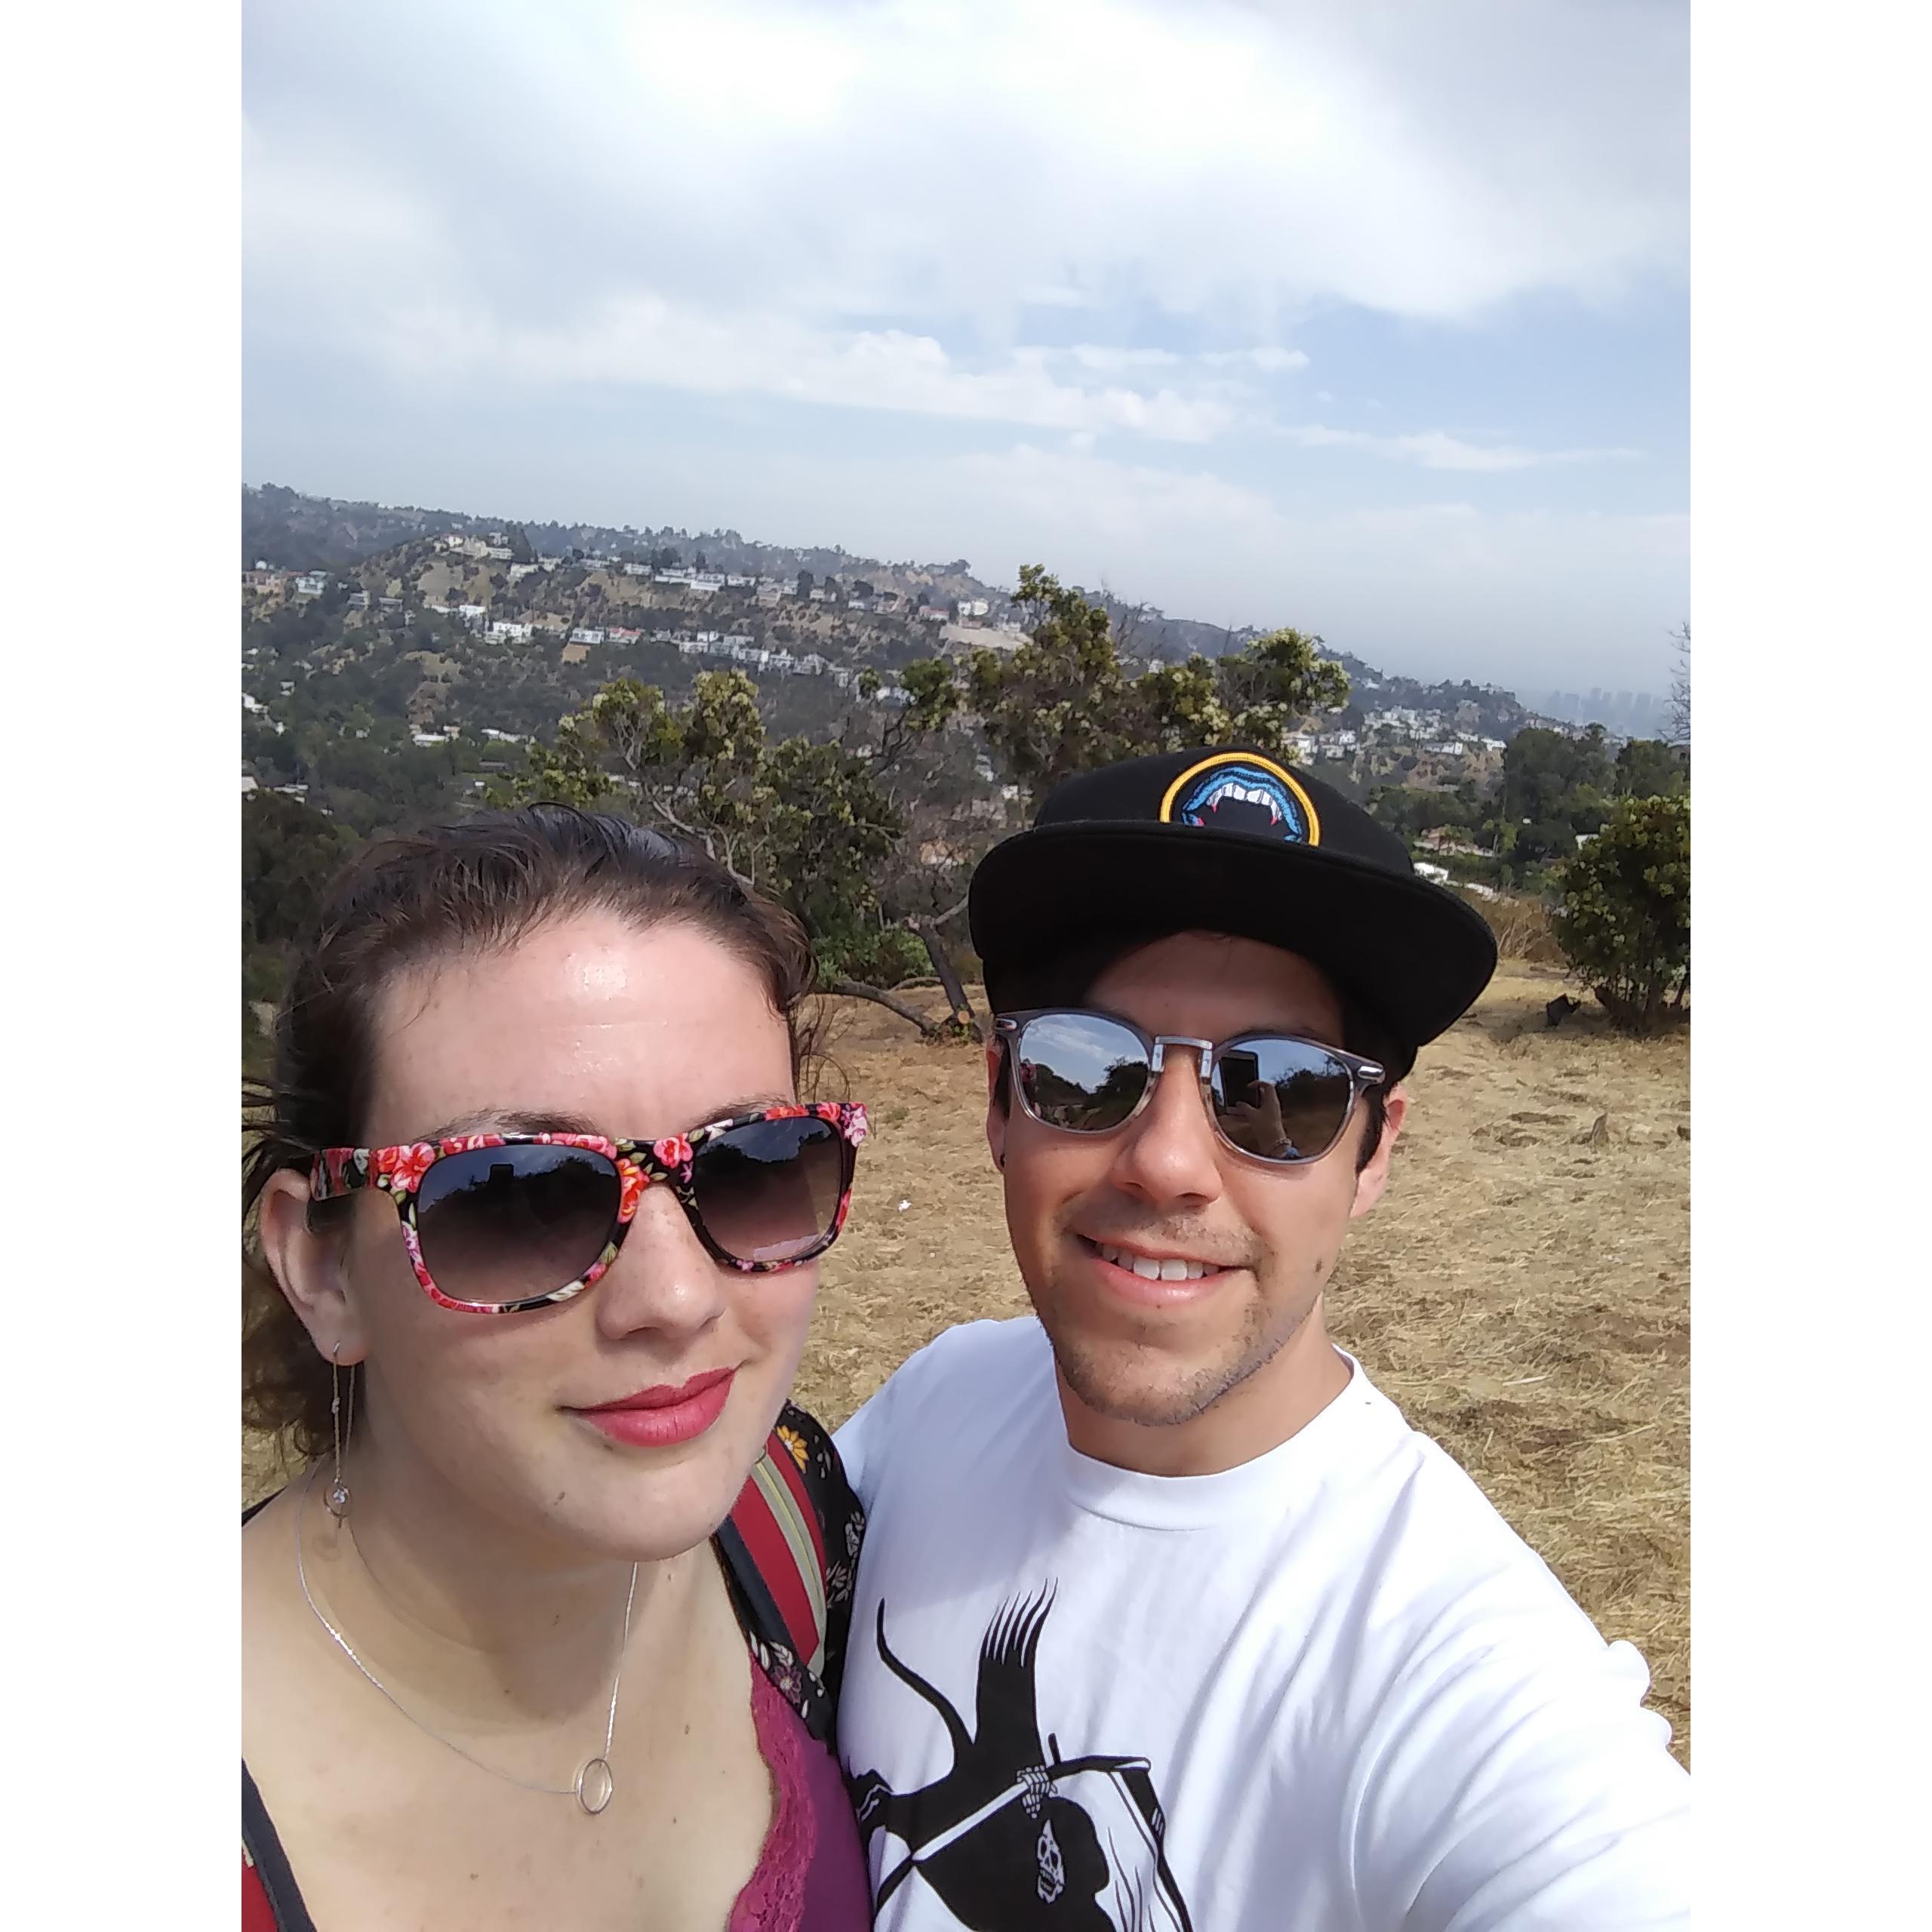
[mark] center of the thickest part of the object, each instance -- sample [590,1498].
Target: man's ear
[996,1114]
[308,1268]
[1374,1178]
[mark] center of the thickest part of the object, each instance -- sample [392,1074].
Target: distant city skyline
[1259,314]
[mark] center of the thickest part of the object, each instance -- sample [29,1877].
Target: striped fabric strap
[775,1516]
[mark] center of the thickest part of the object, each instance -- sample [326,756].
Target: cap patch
[1238,791]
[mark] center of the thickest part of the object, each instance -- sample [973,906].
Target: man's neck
[1260,1413]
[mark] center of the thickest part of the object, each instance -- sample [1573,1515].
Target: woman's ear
[308,1268]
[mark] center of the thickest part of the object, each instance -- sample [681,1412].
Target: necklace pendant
[595,1786]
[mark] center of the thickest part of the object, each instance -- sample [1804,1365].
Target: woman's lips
[655,1418]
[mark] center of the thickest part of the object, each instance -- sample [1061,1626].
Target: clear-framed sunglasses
[1275,1097]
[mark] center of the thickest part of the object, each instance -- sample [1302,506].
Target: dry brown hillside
[1523,1291]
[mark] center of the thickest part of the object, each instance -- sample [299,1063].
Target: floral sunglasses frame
[398,1172]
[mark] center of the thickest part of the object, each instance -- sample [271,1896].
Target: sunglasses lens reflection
[1280,1100]
[1080,1072]
[769,1191]
[503,1224]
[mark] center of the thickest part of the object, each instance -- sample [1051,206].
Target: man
[1165,1618]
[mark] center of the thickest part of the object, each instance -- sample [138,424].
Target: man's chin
[1145,1385]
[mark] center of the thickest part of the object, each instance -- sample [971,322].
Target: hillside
[283,530]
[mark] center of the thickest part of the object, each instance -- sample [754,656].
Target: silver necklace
[594,1786]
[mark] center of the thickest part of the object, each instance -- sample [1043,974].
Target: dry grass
[1521,1293]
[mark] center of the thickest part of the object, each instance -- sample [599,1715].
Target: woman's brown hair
[479,885]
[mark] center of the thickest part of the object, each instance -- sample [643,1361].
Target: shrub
[1624,918]
[1522,928]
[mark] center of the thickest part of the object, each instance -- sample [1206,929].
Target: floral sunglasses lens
[506,1224]
[1280,1100]
[769,1190]
[1079,1071]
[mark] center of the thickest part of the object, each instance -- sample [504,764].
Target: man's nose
[1171,1153]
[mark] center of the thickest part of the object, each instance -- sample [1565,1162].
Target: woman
[537,1217]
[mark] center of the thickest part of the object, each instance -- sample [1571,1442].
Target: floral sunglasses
[485,1216]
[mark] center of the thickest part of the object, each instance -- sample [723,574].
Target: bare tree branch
[854,989]
[663,810]
[1680,685]
[952,912]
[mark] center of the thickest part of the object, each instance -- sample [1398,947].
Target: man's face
[1161,1353]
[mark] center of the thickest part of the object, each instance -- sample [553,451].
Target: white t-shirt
[1329,1689]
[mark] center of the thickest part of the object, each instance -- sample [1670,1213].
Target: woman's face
[634,1036]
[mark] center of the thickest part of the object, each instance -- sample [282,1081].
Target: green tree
[1272,685]
[1554,787]
[1649,768]
[809,825]
[1624,918]
[1057,705]
[290,855]
[1062,703]
[1550,776]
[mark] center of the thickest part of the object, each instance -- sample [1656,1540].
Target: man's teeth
[1171,1268]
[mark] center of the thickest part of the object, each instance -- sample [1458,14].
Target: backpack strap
[790,1547]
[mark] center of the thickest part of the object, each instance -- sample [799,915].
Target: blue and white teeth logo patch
[1232,793]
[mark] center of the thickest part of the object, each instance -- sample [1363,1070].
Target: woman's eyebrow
[754,1103]
[491,1120]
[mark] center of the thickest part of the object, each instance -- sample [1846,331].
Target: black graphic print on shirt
[1017,1834]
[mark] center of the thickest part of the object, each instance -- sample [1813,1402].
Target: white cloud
[643,339]
[1228,163]
[1433,449]
[1267,357]
[1115,361]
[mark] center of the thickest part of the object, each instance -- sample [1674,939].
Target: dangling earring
[337,1497]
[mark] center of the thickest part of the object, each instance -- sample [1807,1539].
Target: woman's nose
[664,1278]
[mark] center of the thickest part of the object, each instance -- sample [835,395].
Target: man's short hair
[1067,977]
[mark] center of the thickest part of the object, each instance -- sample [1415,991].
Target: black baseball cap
[1230,841]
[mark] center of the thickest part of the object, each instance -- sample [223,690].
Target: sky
[1370,316]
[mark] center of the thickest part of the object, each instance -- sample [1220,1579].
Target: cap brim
[1415,954]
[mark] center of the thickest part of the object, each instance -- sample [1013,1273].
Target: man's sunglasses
[1275,1096]
[498,1222]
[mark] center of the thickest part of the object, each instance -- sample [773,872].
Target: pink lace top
[810,1876]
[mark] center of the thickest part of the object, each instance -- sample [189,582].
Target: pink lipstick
[657,1417]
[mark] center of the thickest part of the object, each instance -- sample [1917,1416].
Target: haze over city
[1371,321]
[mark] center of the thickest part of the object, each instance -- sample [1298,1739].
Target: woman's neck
[469,1619]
